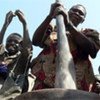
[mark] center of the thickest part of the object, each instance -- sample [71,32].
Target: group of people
[16,55]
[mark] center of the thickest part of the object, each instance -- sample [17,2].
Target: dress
[44,65]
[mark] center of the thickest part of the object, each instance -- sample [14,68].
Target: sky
[35,12]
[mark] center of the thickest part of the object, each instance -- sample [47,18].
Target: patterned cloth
[44,66]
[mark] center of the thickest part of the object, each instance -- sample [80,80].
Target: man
[82,44]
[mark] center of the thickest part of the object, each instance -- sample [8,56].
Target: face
[52,36]
[77,14]
[13,44]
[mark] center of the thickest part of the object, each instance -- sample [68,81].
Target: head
[77,14]
[13,43]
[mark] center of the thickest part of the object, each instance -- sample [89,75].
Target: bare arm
[86,44]
[8,20]
[26,51]
[39,33]
[26,39]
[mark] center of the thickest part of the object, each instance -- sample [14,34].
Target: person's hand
[53,8]
[9,17]
[20,16]
[62,11]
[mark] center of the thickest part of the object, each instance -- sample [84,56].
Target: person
[82,43]
[15,56]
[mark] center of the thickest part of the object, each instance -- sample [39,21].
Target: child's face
[12,45]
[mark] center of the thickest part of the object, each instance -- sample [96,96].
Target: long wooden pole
[65,71]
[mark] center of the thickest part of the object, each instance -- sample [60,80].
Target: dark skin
[26,39]
[26,45]
[39,33]
[8,19]
[86,45]
[71,19]
[13,44]
[56,9]
[19,51]
[77,17]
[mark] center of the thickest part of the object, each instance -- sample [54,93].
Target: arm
[26,43]
[86,43]
[40,32]
[26,50]
[8,20]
